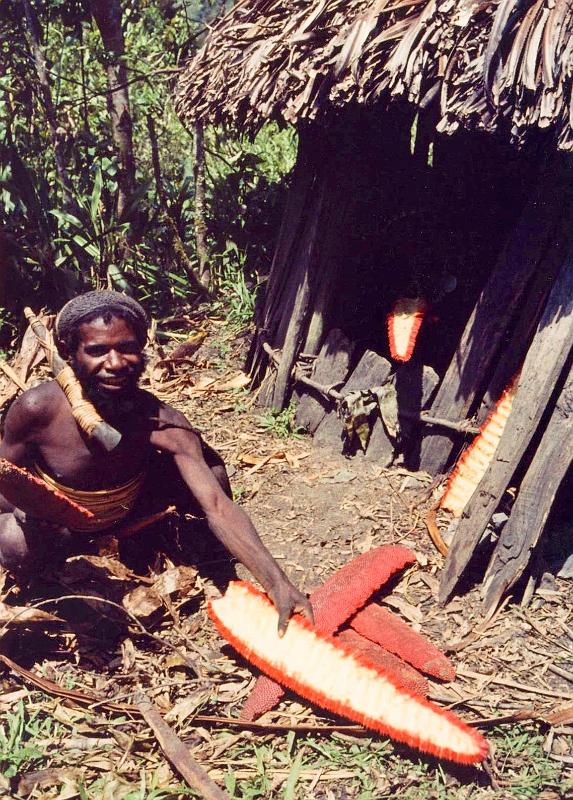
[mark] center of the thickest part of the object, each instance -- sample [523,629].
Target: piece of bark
[330,367]
[371,370]
[534,501]
[539,239]
[177,752]
[541,370]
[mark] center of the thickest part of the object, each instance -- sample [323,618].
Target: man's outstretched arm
[230,523]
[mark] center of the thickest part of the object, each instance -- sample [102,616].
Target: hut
[433,165]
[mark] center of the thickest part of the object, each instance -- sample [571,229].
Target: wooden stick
[177,753]
[140,524]
[522,687]
[7,370]
[433,530]
[464,426]
[554,717]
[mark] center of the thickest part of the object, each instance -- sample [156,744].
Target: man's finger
[284,615]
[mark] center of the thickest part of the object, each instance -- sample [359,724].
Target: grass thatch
[505,65]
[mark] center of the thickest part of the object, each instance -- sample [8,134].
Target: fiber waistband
[108,506]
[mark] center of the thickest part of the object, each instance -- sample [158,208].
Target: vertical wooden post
[295,322]
[542,232]
[534,501]
[543,365]
[278,283]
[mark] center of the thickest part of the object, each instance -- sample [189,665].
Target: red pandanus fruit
[328,674]
[404,322]
[333,603]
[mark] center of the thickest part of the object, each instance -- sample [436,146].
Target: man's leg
[165,487]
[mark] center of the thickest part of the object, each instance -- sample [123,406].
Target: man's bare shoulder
[39,402]
[172,417]
[34,411]
[174,432]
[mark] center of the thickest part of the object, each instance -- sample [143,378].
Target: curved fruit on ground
[327,674]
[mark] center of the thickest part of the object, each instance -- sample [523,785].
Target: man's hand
[287,599]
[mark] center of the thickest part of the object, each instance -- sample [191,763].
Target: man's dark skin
[39,427]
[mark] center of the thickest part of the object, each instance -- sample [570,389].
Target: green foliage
[56,244]
[282,423]
[19,731]
[237,290]
[246,191]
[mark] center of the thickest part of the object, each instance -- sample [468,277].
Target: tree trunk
[107,14]
[203,254]
[56,131]
[176,240]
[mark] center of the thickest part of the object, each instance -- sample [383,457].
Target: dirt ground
[315,510]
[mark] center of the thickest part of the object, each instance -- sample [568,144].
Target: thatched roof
[488,64]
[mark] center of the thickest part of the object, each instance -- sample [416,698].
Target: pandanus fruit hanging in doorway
[404,322]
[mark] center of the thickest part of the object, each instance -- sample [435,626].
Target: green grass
[281,423]
[19,732]
[380,771]
[520,756]
[292,767]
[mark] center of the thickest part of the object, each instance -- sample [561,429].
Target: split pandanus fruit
[386,629]
[328,674]
[333,603]
[36,498]
[474,461]
[404,322]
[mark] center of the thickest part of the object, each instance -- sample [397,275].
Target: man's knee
[15,550]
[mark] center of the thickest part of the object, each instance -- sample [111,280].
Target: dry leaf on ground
[144,600]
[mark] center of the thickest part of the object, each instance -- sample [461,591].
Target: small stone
[547,583]
[566,570]
[450,532]
[499,519]
[411,482]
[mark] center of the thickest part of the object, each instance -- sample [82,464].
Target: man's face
[109,359]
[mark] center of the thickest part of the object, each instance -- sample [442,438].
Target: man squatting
[102,335]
